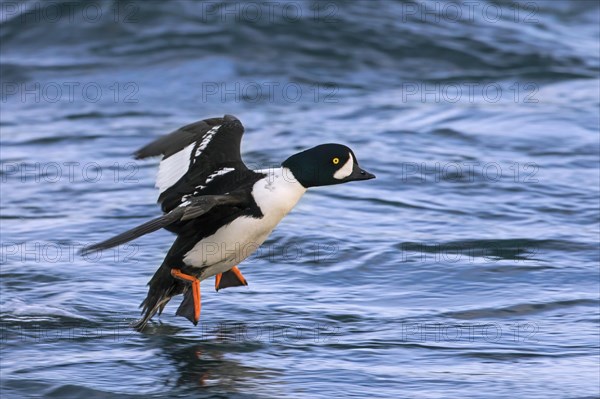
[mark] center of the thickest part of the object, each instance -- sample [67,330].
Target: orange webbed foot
[191,311]
[231,278]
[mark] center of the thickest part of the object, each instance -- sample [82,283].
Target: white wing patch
[173,168]
[207,139]
[219,172]
[345,170]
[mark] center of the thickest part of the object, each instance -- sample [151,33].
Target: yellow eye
[335,160]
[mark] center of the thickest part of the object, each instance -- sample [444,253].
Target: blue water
[468,268]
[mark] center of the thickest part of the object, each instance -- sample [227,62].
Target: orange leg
[218,281]
[195,289]
[239,275]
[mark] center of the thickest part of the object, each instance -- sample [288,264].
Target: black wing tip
[233,124]
[151,150]
[146,151]
[141,154]
[100,246]
[89,249]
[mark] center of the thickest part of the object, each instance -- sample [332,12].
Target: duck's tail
[163,286]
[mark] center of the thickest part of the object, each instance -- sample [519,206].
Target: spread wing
[192,209]
[202,158]
[202,180]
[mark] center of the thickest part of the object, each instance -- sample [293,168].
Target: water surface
[468,268]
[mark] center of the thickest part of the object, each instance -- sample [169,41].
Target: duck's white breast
[276,195]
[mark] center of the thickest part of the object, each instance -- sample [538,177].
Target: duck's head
[325,165]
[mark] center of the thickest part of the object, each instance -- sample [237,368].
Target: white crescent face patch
[345,170]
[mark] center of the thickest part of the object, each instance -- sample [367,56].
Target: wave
[339,42]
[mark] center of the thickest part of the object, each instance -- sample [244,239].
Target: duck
[220,210]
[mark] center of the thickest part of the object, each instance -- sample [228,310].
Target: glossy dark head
[325,165]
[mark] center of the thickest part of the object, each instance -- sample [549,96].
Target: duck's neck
[278,192]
